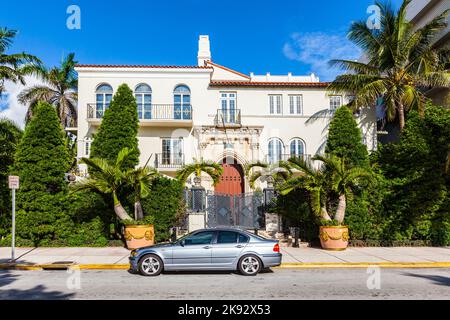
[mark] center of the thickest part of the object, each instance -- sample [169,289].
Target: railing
[228,117]
[149,111]
[285,157]
[169,160]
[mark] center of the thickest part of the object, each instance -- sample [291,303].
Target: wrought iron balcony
[228,118]
[148,112]
[169,160]
[271,159]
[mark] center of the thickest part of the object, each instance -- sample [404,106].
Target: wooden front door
[232,179]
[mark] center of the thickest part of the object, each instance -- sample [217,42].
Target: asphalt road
[281,284]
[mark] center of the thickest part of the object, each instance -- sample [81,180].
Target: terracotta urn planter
[138,236]
[334,237]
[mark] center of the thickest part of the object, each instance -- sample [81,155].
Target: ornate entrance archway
[229,205]
[232,181]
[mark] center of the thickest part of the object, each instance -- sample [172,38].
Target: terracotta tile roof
[227,69]
[268,84]
[139,66]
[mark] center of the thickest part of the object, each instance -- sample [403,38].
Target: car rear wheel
[150,265]
[249,265]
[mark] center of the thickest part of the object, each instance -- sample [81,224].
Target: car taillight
[276,248]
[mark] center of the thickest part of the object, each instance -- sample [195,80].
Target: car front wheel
[250,265]
[150,265]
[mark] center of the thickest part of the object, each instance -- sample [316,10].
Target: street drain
[57,265]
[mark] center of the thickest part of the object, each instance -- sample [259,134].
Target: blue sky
[247,35]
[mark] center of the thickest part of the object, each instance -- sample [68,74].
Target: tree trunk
[401,115]
[119,209]
[340,211]
[324,214]
[138,211]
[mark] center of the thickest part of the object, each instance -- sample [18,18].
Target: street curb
[330,265]
[287,265]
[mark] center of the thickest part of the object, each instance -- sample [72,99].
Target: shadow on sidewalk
[17,259]
[39,292]
[439,280]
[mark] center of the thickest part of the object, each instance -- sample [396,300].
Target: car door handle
[206,247]
[239,246]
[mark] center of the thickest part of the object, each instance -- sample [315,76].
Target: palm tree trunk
[119,209]
[138,211]
[401,115]
[324,214]
[340,211]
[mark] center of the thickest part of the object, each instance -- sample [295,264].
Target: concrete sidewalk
[117,257]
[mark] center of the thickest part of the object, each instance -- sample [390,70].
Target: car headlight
[133,253]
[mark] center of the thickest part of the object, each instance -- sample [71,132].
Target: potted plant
[108,178]
[139,233]
[332,176]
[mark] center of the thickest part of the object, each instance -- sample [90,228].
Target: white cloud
[316,49]
[14,110]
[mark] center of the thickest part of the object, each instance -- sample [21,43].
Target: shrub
[10,135]
[416,206]
[41,163]
[345,138]
[118,129]
[164,204]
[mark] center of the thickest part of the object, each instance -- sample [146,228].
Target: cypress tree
[119,129]
[345,138]
[10,135]
[41,163]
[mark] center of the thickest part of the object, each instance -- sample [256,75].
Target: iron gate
[241,210]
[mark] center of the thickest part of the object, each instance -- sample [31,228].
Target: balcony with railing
[272,159]
[228,118]
[169,161]
[150,114]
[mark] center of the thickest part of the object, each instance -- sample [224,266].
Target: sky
[276,36]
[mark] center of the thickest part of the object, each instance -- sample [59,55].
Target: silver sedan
[209,249]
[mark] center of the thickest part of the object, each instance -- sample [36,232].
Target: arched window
[276,149]
[103,96]
[143,94]
[297,147]
[182,102]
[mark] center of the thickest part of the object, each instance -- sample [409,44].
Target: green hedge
[165,204]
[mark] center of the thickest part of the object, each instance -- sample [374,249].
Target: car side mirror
[182,243]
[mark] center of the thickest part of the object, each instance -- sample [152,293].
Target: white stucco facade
[262,109]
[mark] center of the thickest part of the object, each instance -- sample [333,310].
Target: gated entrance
[228,205]
[240,210]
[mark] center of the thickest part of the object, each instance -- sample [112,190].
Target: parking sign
[13,182]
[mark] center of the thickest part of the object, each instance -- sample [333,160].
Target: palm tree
[271,173]
[332,176]
[106,178]
[312,180]
[59,89]
[13,67]
[211,168]
[140,179]
[400,61]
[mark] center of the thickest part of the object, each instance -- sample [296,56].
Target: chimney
[204,51]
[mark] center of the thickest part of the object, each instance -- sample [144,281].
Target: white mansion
[212,112]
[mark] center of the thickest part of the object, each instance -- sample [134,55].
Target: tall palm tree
[271,173]
[13,67]
[140,179]
[332,176]
[400,62]
[106,178]
[211,168]
[59,88]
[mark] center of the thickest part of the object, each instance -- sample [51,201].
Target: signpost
[13,182]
